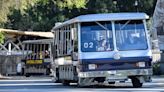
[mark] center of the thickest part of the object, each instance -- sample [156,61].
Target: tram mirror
[74,56]
[72,33]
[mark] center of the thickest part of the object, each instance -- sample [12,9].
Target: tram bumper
[117,75]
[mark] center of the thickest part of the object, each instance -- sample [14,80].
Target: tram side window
[56,43]
[75,40]
[61,42]
[32,49]
[65,41]
[46,51]
[69,42]
[59,47]
[26,51]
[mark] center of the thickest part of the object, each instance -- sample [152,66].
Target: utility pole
[136,5]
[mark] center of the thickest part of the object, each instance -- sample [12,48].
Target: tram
[37,57]
[102,48]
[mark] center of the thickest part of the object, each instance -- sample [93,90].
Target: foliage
[41,15]
[6,7]
[70,4]
[2,37]
[142,6]
[100,6]
[156,68]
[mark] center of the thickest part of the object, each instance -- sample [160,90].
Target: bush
[156,68]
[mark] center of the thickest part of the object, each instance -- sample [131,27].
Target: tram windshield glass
[96,36]
[130,35]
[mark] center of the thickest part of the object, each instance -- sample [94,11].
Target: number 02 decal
[88,45]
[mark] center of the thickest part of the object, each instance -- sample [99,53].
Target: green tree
[146,6]
[70,4]
[43,15]
[2,37]
[6,6]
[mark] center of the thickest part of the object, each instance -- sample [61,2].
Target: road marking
[136,89]
[30,84]
[32,80]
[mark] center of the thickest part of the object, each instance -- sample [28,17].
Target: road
[44,84]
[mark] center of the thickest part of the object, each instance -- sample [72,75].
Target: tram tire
[65,83]
[111,82]
[27,75]
[136,83]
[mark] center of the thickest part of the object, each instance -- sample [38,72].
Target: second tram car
[37,58]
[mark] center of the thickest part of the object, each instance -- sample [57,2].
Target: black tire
[65,83]
[111,82]
[22,71]
[136,83]
[48,71]
[18,74]
[27,75]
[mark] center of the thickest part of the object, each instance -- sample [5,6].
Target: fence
[8,64]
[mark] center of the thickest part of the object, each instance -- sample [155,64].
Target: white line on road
[30,84]
[136,89]
[40,80]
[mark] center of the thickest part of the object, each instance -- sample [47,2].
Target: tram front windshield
[130,35]
[96,37]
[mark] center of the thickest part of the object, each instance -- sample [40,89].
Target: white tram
[102,48]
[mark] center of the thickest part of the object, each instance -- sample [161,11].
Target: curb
[4,77]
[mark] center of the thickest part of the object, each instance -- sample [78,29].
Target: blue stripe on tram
[111,60]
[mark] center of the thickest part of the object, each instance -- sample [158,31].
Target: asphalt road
[44,84]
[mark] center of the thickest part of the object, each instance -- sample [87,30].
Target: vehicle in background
[37,57]
[102,48]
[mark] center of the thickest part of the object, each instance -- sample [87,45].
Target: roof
[29,33]
[42,41]
[105,17]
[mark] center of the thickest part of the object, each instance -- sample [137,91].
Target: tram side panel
[63,65]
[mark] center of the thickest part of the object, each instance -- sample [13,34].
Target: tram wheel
[111,82]
[136,83]
[65,83]
[27,75]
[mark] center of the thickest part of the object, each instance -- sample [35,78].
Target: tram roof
[41,41]
[105,17]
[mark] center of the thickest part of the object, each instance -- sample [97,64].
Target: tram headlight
[140,64]
[92,66]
